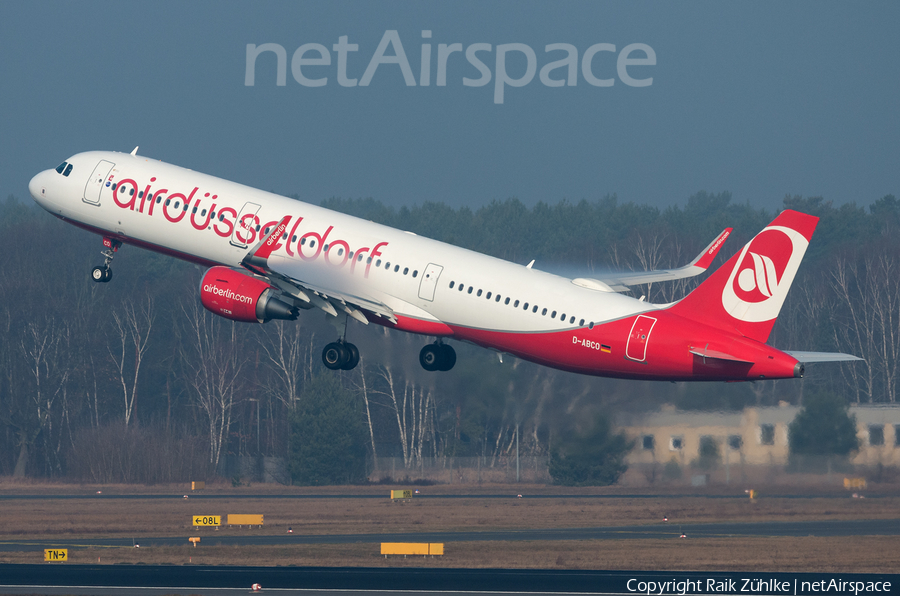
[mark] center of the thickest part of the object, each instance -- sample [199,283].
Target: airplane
[270,257]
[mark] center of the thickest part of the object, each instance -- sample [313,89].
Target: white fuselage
[147,208]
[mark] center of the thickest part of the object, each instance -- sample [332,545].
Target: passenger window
[325,248]
[69,171]
[515,304]
[497,299]
[130,192]
[340,252]
[525,307]
[572,321]
[461,287]
[312,243]
[415,273]
[61,167]
[543,312]
[114,186]
[369,261]
[141,195]
[294,238]
[535,308]
[552,316]
[360,257]
[591,325]
[405,270]
[451,284]
[396,268]
[159,200]
[194,210]
[202,213]
[478,293]
[488,296]
[470,289]
[387,265]
[257,227]
[581,323]
[378,264]
[186,207]
[507,301]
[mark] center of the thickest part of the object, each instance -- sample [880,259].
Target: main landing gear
[437,356]
[103,273]
[340,355]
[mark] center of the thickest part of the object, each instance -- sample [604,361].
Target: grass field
[40,521]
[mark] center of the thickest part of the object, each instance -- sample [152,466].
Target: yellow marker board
[56,554]
[207,520]
[241,519]
[198,485]
[401,494]
[412,548]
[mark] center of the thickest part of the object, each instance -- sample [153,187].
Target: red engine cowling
[241,297]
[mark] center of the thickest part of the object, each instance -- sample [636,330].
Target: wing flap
[282,273]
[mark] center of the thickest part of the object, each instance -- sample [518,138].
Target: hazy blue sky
[761,99]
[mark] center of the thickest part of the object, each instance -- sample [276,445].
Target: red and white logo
[763,274]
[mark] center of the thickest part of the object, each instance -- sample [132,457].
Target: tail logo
[763,274]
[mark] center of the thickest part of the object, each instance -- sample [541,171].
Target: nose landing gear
[437,356]
[340,355]
[103,273]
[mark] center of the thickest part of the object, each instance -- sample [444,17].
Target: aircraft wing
[288,276]
[821,356]
[620,282]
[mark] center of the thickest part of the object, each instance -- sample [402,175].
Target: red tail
[747,292]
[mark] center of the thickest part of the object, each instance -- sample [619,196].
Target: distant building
[752,437]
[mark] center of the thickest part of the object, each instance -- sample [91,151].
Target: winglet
[260,253]
[705,258]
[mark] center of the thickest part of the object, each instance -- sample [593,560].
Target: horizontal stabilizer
[822,356]
[707,353]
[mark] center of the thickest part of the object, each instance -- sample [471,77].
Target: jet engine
[241,297]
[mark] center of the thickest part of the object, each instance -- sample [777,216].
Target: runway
[147,580]
[872,527]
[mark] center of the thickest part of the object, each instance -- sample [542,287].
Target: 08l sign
[207,520]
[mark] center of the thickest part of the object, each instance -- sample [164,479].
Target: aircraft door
[95,183]
[429,281]
[245,226]
[636,348]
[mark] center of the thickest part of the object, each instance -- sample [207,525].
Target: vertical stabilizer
[747,292]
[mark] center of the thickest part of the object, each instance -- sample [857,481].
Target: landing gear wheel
[340,356]
[353,357]
[335,355]
[448,358]
[430,357]
[101,274]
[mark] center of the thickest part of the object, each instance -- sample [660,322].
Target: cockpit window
[61,167]
[68,170]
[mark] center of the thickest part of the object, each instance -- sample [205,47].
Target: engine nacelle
[241,297]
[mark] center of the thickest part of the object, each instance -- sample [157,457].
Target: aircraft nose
[36,187]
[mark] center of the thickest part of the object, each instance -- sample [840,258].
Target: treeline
[135,381]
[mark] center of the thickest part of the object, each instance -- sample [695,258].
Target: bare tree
[213,360]
[286,357]
[132,329]
[413,407]
[45,347]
